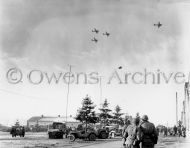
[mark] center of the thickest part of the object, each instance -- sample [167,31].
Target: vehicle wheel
[92,137]
[50,135]
[72,137]
[103,135]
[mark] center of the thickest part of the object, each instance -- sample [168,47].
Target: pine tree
[117,115]
[105,112]
[86,113]
[17,123]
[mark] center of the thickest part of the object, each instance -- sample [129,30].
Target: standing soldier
[183,131]
[132,139]
[175,130]
[124,134]
[179,131]
[138,118]
[165,131]
[148,134]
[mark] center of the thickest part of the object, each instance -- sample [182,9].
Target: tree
[17,123]
[105,112]
[117,115]
[86,113]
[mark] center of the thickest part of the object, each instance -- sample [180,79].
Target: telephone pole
[68,89]
[100,91]
[176,109]
[187,107]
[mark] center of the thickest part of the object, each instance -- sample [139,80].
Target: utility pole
[187,103]
[100,91]
[182,117]
[68,92]
[184,114]
[188,107]
[176,109]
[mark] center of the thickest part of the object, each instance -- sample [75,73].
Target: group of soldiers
[179,130]
[140,133]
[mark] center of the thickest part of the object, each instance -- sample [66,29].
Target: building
[33,121]
[45,121]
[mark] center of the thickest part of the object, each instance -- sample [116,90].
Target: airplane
[95,30]
[120,67]
[107,34]
[158,25]
[94,40]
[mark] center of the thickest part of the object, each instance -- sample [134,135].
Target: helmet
[127,122]
[145,118]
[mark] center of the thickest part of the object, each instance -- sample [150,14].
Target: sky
[47,35]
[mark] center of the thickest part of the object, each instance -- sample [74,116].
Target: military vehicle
[17,131]
[57,130]
[87,132]
[114,130]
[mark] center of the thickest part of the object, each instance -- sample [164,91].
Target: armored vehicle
[17,131]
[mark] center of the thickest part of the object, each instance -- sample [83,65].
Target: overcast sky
[50,34]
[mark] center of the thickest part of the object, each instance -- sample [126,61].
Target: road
[166,143]
[40,140]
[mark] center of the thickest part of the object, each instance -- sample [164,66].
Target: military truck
[88,132]
[57,130]
[17,131]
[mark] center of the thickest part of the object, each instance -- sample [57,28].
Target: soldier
[165,131]
[175,130]
[23,131]
[148,134]
[179,131]
[127,123]
[183,131]
[132,139]
[158,130]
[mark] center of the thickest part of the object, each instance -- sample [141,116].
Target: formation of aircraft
[94,40]
[108,34]
[158,24]
[97,31]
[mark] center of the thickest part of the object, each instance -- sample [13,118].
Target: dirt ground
[40,140]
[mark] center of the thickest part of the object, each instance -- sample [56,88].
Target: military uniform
[131,137]
[148,134]
[124,132]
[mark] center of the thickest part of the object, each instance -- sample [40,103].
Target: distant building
[45,121]
[33,121]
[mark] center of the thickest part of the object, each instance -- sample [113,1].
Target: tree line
[86,114]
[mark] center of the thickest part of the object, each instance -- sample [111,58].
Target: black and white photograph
[94,73]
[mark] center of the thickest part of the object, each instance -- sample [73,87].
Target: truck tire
[50,135]
[71,137]
[92,137]
[103,135]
